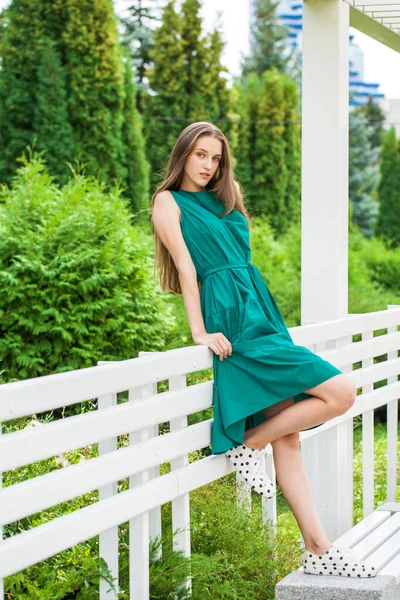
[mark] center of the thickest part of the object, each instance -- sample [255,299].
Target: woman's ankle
[318,548]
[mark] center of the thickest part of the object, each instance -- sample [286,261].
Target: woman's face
[202,163]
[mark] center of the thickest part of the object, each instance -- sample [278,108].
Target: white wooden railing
[330,443]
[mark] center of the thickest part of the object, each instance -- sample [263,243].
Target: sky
[381,64]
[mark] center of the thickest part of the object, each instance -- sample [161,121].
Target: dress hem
[258,417]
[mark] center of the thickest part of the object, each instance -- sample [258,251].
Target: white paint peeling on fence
[140,416]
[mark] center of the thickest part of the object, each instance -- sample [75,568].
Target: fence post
[139,527]
[155,513]
[181,505]
[391,427]
[269,504]
[368,440]
[108,540]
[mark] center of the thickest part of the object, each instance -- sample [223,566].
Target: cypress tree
[164,103]
[388,225]
[291,135]
[220,97]
[51,125]
[240,140]
[137,38]
[186,81]
[66,90]
[21,44]
[375,117]
[249,106]
[200,85]
[270,170]
[136,165]
[96,88]
[268,48]
[363,175]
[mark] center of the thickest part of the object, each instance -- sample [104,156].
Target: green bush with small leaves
[76,280]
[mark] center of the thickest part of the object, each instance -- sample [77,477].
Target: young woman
[266,388]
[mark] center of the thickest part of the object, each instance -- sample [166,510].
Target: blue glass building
[290,13]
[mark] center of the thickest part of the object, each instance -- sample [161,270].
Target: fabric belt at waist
[225,266]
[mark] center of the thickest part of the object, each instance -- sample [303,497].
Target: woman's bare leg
[329,399]
[294,485]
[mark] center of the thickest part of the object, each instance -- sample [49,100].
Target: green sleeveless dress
[265,366]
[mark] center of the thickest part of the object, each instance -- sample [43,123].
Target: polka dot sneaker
[337,560]
[247,462]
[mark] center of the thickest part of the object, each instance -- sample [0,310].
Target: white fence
[140,416]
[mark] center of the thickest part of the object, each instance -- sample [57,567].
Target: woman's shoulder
[167,196]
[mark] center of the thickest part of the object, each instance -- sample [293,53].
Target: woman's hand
[216,341]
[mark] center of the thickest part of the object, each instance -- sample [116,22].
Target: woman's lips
[205,175]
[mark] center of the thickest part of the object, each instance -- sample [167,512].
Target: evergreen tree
[268,48]
[388,225]
[164,107]
[96,88]
[21,45]
[269,167]
[363,175]
[219,97]
[137,37]
[186,81]
[136,164]
[199,82]
[291,135]
[65,89]
[249,101]
[240,140]
[375,118]
[51,125]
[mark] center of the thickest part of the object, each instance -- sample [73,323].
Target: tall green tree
[51,125]
[375,118]
[292,140]
[268,48]
[66,91]
[21,46]
[363,175]
[139,22]
[240,139]
[270,169]
[96,89]
[136,164]
[218,94]
[164,103]
[198,80]
[388,225]
[186,81]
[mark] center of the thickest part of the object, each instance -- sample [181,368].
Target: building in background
[290,13]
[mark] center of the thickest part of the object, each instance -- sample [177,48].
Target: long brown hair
[225,187]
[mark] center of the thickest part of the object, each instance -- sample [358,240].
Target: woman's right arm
[166,217]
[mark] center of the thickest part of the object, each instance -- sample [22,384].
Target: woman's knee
[343,396]
[290,441]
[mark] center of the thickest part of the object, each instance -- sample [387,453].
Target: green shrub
[71,574]
[278,259]
[383,264]
[370,266]
[257,557]
[76,281]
